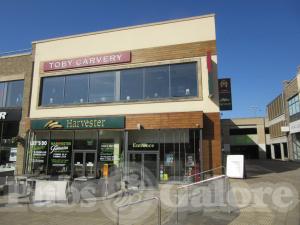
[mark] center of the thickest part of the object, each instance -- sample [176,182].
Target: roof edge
[125,28]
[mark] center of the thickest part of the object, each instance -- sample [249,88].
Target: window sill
[121,103]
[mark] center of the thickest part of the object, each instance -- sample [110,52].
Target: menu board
[60,153]
[107,152]
[39,151]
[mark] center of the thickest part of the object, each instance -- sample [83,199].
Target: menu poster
[60,154]
[169,160]
[106,152]
[39,151]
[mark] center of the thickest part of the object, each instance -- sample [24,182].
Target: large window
[102,87]
[294,105]
[183,80]
[53,90]
[11,93]
[76,89]
[157,82]
[132,84]
[147,83]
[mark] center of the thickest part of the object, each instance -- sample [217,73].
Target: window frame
[6,84]
[198,72]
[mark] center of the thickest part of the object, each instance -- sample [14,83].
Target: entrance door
[143,169]
[84,164]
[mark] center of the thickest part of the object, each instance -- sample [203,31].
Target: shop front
[77,147]
[145,157]
[9,129]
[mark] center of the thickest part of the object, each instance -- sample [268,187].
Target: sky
[258,41]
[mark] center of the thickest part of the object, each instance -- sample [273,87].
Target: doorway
[84,164]
[143,169]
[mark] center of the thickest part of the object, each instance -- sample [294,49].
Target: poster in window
[190,160]
[106,152]
[60,156]
[169,159]
[39,151]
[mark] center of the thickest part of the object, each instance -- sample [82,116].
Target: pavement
[269,195]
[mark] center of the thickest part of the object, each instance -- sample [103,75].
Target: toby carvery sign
[225,100]
[79,123]
[94,60]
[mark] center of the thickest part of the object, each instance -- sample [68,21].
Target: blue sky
[258,41]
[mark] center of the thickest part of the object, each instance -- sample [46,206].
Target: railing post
[227,194]
[177,202]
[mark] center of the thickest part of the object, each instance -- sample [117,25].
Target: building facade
[140,99]
[245,136]
[292,109]
[277,147]
[15,82]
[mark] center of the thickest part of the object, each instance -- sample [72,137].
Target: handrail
[196,183]
[193,175]
[141,201]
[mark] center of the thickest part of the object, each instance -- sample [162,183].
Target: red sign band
[96,60]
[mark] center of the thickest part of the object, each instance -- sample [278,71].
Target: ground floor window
[168,155]
[75,153]
[8,147]
[158,155]
[296,146]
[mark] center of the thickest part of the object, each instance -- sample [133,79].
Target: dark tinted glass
[14,93]
[53,90]
[157,82]
[132,84]
[183,80]
[102,87]
[243,131]
[76,89]
[85,139]
[2,94]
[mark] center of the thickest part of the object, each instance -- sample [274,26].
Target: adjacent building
[292,109]
[245,136]
[15,82]
[140,99]
[277,147]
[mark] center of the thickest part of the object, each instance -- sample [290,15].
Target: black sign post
[225,100]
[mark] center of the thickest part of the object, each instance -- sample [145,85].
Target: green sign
[107,152]
[60,153]
[144,146]
[79,123]
[39,151]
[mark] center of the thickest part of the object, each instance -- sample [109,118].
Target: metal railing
[187,186]
[139,202]
[202,174]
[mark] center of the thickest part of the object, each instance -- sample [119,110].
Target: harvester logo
[52,124]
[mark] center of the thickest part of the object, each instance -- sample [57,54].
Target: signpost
[225,100]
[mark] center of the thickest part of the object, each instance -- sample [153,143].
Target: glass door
[78,164]
[90,164]
[143,169]
[84,164]
[150,170]
[135,169]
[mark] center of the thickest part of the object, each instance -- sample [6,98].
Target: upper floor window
[294,105]
[138,84]
[11,93]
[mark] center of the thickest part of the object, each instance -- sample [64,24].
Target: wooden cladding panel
[165,120]
[275,129]
[276,107]
[189,50]
[291,89]
[211,142]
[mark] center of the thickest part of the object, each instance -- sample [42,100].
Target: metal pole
[177,202]
[118,218]
[159,211]
[227,194]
